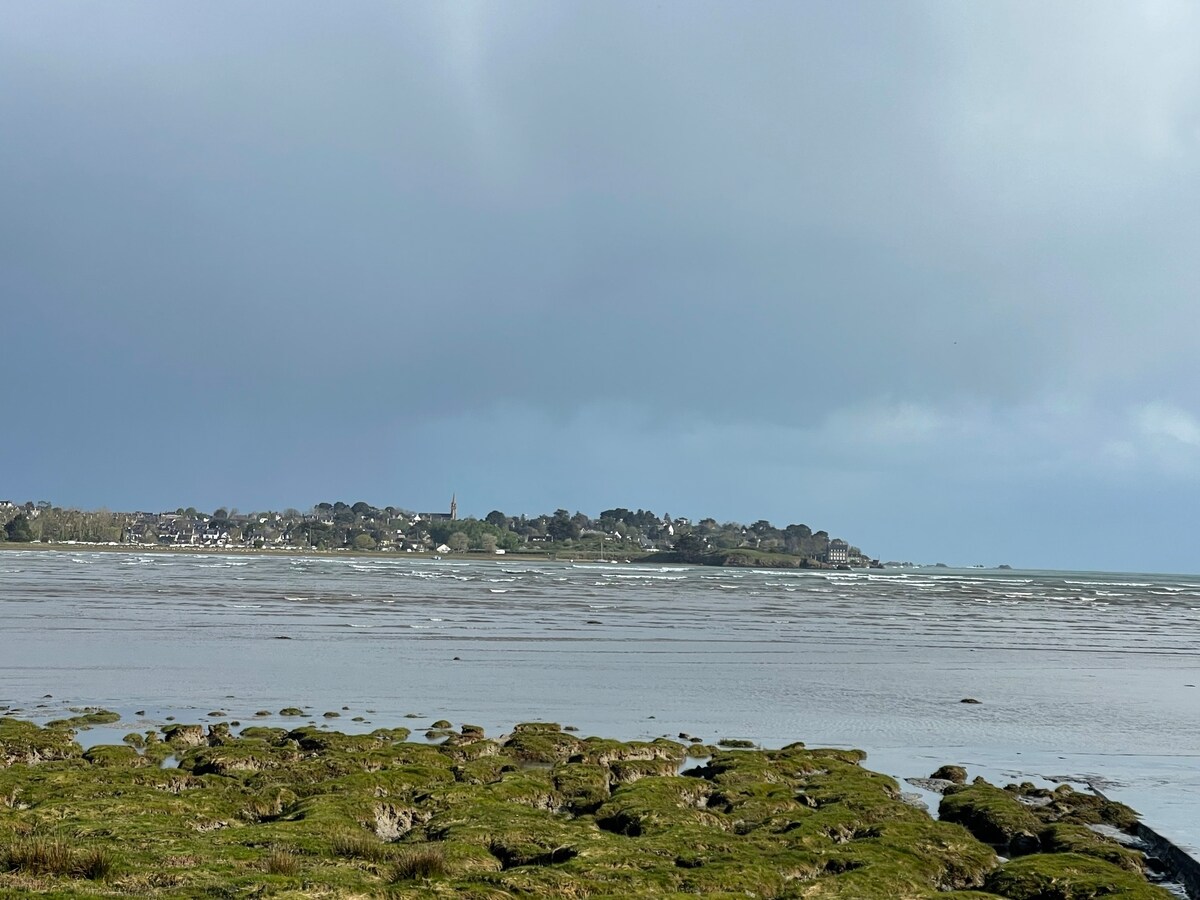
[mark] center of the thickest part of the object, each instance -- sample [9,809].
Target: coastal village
[616,533]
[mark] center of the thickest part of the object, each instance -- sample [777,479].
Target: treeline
[47,523]
[339,525]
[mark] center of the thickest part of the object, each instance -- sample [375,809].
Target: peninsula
[616,533]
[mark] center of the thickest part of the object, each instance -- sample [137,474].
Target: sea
[1085,677]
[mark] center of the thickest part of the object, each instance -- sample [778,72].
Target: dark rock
[955,774]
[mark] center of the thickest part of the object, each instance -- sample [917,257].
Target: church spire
[453,507]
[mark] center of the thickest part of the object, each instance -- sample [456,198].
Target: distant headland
[615,534]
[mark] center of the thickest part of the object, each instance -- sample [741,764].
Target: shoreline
[905,765]
[548,758]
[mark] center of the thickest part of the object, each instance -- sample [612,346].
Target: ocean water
[1088,677]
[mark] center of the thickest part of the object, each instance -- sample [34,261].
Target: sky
[923,275]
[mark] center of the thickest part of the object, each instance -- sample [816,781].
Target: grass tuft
[38,856]
[282,862]
[419,862]
[358,845]
[95,864]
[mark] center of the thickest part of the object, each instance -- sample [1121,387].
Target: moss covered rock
[994,816]
[311,812]
[1070,876]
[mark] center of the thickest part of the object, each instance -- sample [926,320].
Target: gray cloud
[910,245]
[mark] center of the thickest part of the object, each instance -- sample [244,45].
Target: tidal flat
[200,810]
[1082,678]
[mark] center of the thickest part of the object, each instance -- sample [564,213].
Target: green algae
[1070,876]
[994,816]
[1066,838]
[86,718]
[1022,819]
[25,743]
[312,812]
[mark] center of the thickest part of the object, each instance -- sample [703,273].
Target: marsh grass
[95,863]
[419,861]
[51,856]
[38,856]
[357,845]
[267,809]
[282,862]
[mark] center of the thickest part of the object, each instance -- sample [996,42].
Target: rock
[968,700]
[914,800]
[935,785]
[994,816]
[185,735]
[954,774]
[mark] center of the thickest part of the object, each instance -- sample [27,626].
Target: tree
[561,528]
[690,547]
[458,542]
[488,543]
[19,531]
[364,542]
[497,518]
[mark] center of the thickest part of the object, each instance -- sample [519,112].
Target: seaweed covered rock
[23,743]
[1065,838]
[179,735]
[994,816]
[1079,808]
[584,787]
[85,718]
[953,774]
[1069,876]
[603,751]
[312,812]
[542,744]
[114,755]
[658,804]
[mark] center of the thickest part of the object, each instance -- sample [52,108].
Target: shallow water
[1080,675]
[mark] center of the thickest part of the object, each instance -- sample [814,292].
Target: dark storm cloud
[902,243]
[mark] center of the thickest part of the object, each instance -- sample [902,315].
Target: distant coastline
[615,534]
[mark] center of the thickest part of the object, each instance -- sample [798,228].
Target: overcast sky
[925,275]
